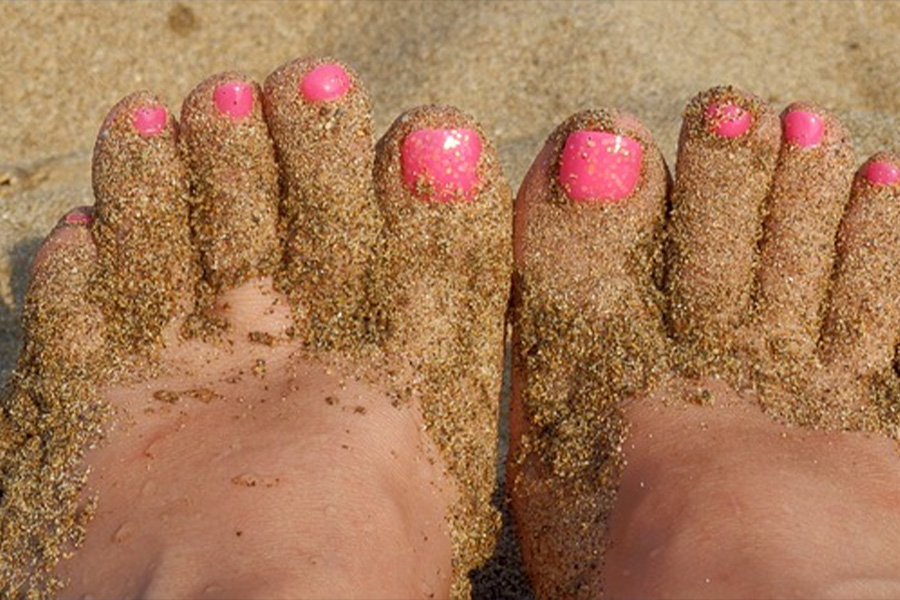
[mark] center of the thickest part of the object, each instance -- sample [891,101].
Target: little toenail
[882,173]
[150,120]
[728,120]
[803,128]
[234,99]
[441,164]
[599,166]
[325,82]
[82,216]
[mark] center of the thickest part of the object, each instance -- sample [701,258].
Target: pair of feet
[277,350]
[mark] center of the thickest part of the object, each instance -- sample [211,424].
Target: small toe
[234,181]
[141,227]
[319,117]
[49,413]
[862,326]
[809,191]
[726,157]
[63,327]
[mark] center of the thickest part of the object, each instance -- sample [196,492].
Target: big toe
[440,295]
[587,331]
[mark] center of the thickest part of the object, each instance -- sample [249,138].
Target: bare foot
[267,362]
[704,394]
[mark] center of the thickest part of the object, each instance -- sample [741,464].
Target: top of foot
[760,279]
[238,269]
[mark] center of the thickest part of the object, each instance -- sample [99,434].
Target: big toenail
[441,164]
[803,128]
[727,120]
[599,166]
[325,82]
[150,120]
[234,98]
[81,216]
[882,173]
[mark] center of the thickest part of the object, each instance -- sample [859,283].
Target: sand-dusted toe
[726,157]
[59,362]
[234,181]
[809,191]
[141,228]
[320,120]
[441,290]
[588,330]
[862,326]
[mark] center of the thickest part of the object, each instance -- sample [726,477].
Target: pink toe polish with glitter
[597,166]
[881,172]
[234,99]
[441,164]
[803,128]
[150,120]
[325,82]
[727,120]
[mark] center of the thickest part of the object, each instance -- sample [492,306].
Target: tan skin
[300,482]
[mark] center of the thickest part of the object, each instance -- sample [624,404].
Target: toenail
[441,164]
[81,216]
[599,166]
[882,173]
[728,120]
[234,98]
[803,128]
[150,120]
[325,82]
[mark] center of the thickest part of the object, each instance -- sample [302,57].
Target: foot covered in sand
[266,362]
[705,395]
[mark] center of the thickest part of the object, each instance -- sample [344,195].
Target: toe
[587,237]
[141,223]
[441,292]
[727,154]
[587,331]
[234,181]
[320,120]
[809,191]
[50,415]
[62,325]
[863,320]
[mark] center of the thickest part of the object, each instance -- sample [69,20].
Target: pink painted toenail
[728,120]
[441,164]
[803,128]
[234,99]
[882,173]
[150,120]
[82,216]
[325,82]
[599,166]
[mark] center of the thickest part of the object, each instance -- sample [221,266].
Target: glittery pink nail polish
[803,128]
[81,216]
[727,120]
[441,164]
[150,120]
[325,82]
[599,166]
[234,98]
[881,172]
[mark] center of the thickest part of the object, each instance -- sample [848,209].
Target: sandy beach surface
[518,67]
